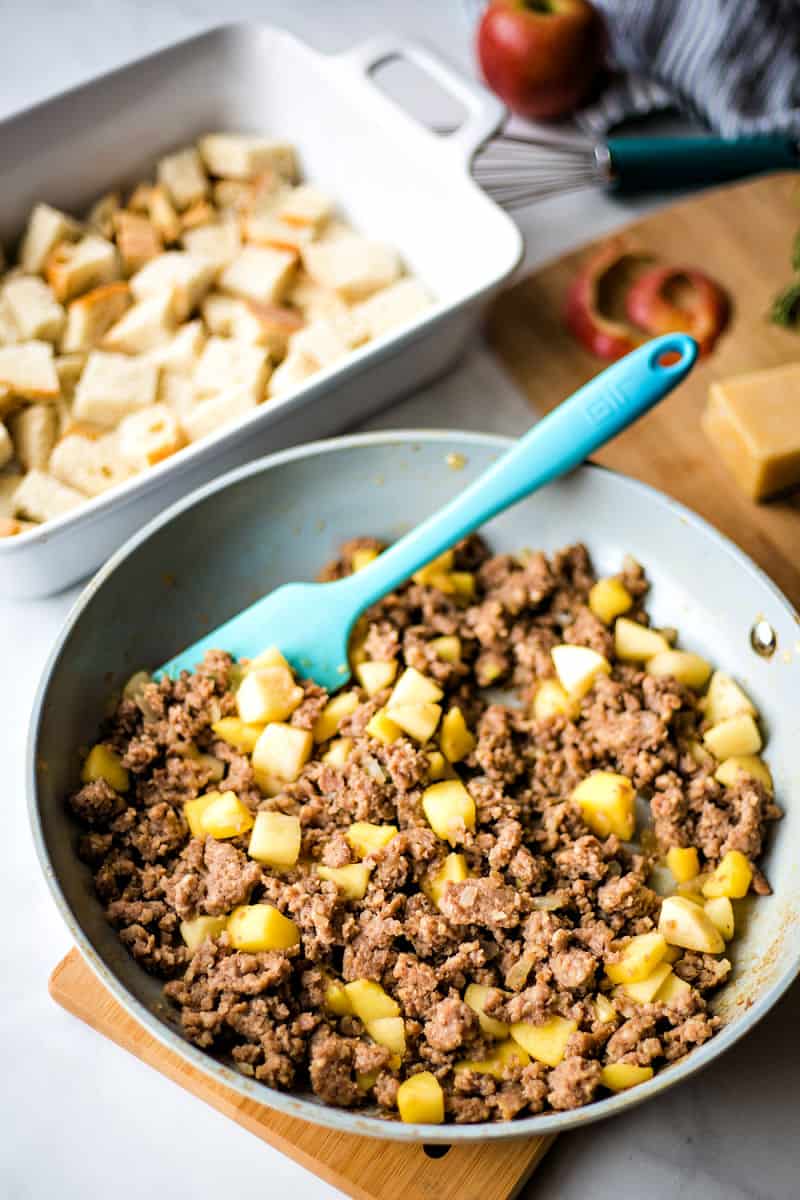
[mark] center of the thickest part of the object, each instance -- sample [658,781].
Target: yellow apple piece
[275,839]
[369,1001]
[546,1042]
[195,932]
[365,838]
[502,1056]
[225,816]
[420,1100]
[720,910]
[618,1077]
[645,990]
[475,998]
[608,804]
[725,699]
[327,723]
[550,700]
[430,573]
[352,881]
[338,752]
[419,721]
[362,557]
[414,688]
[577,667]
[453,870]
[447,648]
[683,862]
[689,669]
[637,643]
[672,989]
[383,728]
[238,733]
[685,924]
[375,676]
[102,763]
[282,751]
[271,657]
[463,584]
[700,755]
[640,957]
[749,765]
[439,767]
[455,738]
[449,808]
[604,1009]
[609,598]
[336,999]
[735,736]
[389,1032]
[732,877]
[267,694]
[254,927]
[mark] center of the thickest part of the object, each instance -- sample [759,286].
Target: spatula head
[309,623]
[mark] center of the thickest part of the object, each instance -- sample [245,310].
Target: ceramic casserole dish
[277,520]
[394,180]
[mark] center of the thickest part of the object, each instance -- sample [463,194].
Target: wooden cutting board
[741,235]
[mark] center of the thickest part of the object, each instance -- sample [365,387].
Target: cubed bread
[259,273]
[89,462]
[197,214]
[91,316]
[34,309]
[239,156]
[34,430]
[161,212]
[40,497]
[149,436]
[69,368]
[395,305]
[311,300]
[304,205]
[138,240]
[266,229]
[220,409]
[9,334]
[100,218]
[295,369]
[6,451]
[46,228]
[219,242]
[10,479]
[28,370]
[148,324]
[183,176]
[329,338]
[113,385]
[176,391]
[228,364]
[188,276]
[269,325]
[182,350]
[75,267]
[352,266]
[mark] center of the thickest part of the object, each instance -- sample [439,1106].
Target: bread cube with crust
[113,385]
[352,266]
[219,242]
[182,350]
[69,368]
[242,156]
[6,455]
[269,325]
[46,228]
[292,373]
[34,309]
[227,363]
[40,497]
[259,273]
[393,306]
[313,301]
[176,391]
[9,334]
[138,240]
[75,267]
[304,205]
[100,217]
[187,276]
[147,324]
[150,436]
[90,316]
[34,430]
[197,214]
[89,463]
[28,370]
[263,228]
[155,202]
[209,415]
[184,177]
[328,339]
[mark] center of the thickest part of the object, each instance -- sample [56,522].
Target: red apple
[702,310]
[541,57]
[596,332]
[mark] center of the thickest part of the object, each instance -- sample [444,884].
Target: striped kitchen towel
[734,64]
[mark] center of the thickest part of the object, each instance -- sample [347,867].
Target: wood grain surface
[741,235]
[365,1168]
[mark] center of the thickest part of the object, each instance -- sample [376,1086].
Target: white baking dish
[394,179]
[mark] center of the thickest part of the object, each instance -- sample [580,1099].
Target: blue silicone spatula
[311,622]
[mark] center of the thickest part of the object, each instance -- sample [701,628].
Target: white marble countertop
[81,1118]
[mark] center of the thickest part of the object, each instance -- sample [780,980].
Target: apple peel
[600,335]
[704,316]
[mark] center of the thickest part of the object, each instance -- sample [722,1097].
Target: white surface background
[80,1118]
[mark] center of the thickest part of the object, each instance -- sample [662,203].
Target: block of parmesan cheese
[753,421]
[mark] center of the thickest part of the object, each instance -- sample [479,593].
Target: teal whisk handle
[639,164]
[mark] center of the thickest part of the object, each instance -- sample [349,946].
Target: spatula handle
[560,441]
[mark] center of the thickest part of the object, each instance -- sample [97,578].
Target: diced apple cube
[640,958]
[352,881]
[328,722]
[195,932]
[683,862]
[362,557]
[383,728]
[447,648]
[732,770]
[435,568]
[389,1032]
[417,720]
[102,763]
[607,803]
[268,694]
[338,752]
[672,989]
[414,688]
[283,751]
[502,1056]
[551,700]
[735,736]
[720,910]
[449,808]
[420,1100]
[224,815]
[609,598]
[475,998]
[336,998]
[238,733]
[365,838]
[645,990]
[375,676]
[455,738]
[732,877]
[689,669]
[725,699]
[604,1009]
[636,643]
[462,583]
[255,927]
[453,870]
[439,767]
[275,839]
[577,667]
[685,924]
[618,1077]
[546,1042]
[271,657]
[369,1001]
[700,755]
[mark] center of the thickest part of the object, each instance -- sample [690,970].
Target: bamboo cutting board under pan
[742,236]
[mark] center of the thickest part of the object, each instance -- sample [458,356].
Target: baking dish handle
[485,113]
